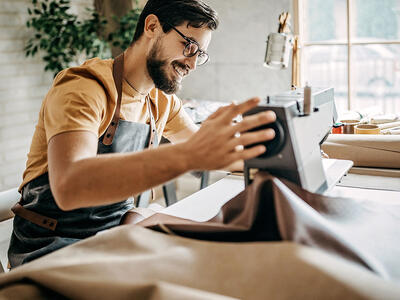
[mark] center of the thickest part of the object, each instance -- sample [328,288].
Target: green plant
[62,39]
[127,24]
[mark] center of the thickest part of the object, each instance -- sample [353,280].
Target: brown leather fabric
[272,209]
[35,218]
[243,218]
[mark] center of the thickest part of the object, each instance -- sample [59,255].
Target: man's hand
[219,142]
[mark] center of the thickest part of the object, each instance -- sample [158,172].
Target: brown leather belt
[38,219]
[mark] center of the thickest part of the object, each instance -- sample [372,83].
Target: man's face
[166,63]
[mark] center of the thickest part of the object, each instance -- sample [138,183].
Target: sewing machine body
[295,153]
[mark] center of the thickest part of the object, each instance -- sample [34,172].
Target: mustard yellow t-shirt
[84,98]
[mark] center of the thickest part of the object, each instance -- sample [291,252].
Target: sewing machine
[304,120]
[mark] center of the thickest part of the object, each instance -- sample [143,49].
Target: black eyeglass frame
[190,41]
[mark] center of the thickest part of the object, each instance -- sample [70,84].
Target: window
[354,46]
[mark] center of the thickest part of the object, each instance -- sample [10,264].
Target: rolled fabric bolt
[382,119]
[389,125]
[367,129]
[395,130]
[348,126]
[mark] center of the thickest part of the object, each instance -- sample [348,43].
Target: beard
[157,69]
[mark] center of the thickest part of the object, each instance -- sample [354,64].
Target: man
[75,184]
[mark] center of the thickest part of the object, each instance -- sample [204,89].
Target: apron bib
[40,227]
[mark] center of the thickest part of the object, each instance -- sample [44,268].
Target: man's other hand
[219,142]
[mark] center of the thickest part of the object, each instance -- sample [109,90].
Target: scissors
[283,22]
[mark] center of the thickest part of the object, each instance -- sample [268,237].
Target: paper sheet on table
[365,150]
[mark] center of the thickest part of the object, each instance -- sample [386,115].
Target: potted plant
[63,40]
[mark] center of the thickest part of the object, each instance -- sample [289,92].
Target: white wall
[23,84]
[237,51]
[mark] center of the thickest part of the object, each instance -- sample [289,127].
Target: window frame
[298,29]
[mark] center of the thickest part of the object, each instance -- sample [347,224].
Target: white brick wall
[23,84]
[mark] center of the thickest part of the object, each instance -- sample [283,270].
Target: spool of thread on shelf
[348,126]
[337,128]
[367,129]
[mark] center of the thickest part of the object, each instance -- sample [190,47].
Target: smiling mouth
[180,72]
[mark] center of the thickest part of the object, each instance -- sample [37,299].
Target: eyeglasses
[192,48]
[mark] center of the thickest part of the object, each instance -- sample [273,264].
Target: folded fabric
[381,119]
[273,209]
[355,253]
[381,151]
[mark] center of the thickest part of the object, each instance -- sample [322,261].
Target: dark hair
[175,13]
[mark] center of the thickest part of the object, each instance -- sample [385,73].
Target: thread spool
[348,126]
[367,129]
[337,128]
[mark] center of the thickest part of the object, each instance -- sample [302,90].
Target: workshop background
[235,71]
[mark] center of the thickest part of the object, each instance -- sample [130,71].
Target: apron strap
[143,200]
[33,217]
[153,141]
[118,72]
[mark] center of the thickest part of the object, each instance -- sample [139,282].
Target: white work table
[206,203]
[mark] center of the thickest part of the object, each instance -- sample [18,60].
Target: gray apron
[40,227]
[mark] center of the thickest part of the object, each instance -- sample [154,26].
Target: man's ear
[152,26]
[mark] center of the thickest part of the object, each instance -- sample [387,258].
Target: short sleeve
[178,119]
[74,105]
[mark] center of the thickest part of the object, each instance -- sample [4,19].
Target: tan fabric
[381,151]
[130,262]
[84,98]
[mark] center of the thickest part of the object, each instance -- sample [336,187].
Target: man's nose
[191,62]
